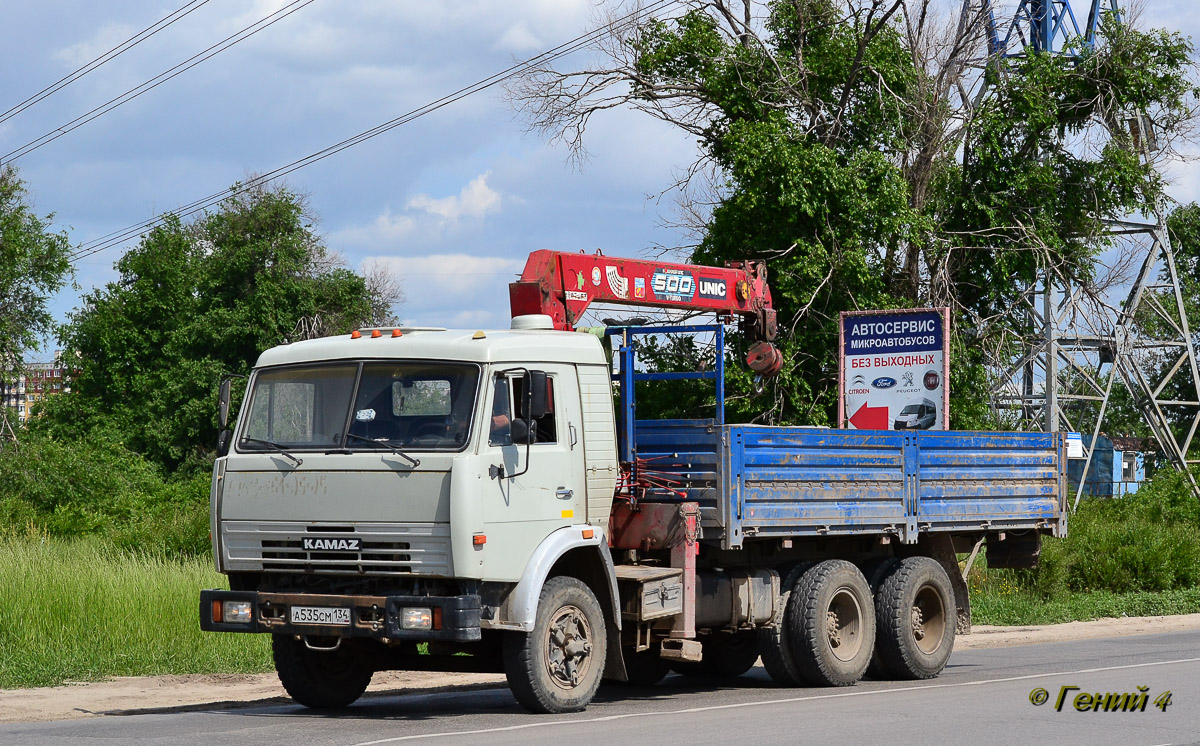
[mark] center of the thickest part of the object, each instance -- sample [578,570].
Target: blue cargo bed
[755,481]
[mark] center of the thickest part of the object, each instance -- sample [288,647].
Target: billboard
[893,370]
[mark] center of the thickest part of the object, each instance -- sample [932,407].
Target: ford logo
[884,383]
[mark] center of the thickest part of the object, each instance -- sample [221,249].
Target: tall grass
[82,609]
[98,487]
[1135,556]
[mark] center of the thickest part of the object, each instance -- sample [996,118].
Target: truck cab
[399,485]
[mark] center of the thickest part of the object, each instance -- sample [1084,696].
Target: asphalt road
[983,696]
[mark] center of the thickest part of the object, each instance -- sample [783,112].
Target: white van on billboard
[916,415]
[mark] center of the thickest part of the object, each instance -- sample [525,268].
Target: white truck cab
[434,475]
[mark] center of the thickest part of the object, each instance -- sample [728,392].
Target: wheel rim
[843,625]
[928,617]
[568,647]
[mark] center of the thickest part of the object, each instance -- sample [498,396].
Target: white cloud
[475,200]
[104,39]
[518,38]
[453,290]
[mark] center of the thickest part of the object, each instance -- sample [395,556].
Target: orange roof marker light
[397,333]
[376,334]
[355,334]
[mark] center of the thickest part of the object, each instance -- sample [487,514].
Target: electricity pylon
[1060,364]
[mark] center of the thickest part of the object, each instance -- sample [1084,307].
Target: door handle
[562,493]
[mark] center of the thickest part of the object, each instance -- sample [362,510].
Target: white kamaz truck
[421,499]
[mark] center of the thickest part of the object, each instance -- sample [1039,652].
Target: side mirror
[223,440]
[538,394]
[223,404]
[524,432]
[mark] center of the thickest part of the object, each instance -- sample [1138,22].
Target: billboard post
[893,369]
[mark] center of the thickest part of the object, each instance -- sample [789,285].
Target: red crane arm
[563,285]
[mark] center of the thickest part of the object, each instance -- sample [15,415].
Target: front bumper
[456,618]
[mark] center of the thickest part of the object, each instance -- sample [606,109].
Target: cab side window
[509,390]
[500,428]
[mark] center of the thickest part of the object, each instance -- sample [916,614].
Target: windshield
[911,409]
[414,405]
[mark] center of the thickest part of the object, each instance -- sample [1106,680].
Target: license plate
[320,615]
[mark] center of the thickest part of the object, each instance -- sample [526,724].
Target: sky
[453,202]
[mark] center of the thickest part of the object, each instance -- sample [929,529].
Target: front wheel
[833,633]
[320,679]
[557,667]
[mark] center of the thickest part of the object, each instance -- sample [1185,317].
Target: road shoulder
[150,694]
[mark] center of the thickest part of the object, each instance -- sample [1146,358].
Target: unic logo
[713,288]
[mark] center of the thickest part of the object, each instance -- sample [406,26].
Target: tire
[646,668]
[773,644]
[725,656]
[876,571]
[833,631]
[915,615]
[729,655]
[557,667]
[316,678]
[689,669]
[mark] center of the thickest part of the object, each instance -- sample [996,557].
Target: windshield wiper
[276,446]
[387,442]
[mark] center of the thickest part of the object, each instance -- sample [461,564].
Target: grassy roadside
[1025,608]
[79,610]
[1134,556]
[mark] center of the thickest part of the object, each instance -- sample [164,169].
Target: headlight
[417,618]
[236,612]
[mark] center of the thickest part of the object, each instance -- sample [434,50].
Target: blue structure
[1118,467]
[1044,26]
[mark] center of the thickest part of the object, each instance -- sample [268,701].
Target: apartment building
[34,383]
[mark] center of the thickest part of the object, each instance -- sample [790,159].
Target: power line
[158,80]
[108,56]
[118,237]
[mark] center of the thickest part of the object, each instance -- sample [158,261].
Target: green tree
[842,154]
[34,264]
[194,302]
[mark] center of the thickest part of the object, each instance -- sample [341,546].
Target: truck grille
[387,549]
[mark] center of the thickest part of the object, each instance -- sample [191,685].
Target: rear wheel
[773,642]
[557,667]
[876,571]
[646,668]
[729,655]
[833,633]
[319,679]
[915,615]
